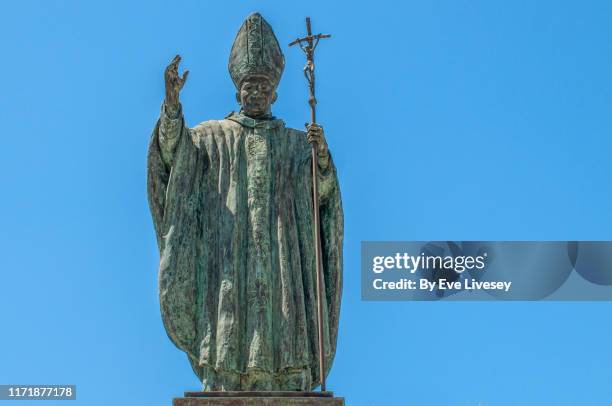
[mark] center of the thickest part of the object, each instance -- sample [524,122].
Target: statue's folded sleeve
[171,125]
[332,238]
[328,179]
[174,168]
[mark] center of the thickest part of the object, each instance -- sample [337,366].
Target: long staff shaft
[315,198]
[308,45]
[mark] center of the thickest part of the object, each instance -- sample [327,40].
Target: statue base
[271,398]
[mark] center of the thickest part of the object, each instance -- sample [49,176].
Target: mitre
[256,52]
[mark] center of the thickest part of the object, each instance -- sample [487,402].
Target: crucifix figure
[235,219]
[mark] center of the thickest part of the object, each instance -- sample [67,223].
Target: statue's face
[256,95]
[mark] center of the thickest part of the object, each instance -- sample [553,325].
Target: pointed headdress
[256,52]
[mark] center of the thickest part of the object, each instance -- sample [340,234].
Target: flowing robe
[232,206]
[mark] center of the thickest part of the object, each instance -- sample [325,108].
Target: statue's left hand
[316,135]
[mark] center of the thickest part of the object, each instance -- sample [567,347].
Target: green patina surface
[232,206]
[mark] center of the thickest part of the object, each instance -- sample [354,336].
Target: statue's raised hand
[174,83]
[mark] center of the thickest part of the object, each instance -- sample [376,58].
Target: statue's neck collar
[268,122]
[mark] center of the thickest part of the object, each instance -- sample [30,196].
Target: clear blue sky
[448,120]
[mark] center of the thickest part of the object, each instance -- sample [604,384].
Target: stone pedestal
[258,399]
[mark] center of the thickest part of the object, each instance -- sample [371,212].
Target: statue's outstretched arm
[171,121]
[171,124]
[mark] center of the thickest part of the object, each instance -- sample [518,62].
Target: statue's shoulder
[234,123]
[214,126]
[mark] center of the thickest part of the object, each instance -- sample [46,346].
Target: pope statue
[232,205]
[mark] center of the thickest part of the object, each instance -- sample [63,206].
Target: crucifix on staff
[308,44]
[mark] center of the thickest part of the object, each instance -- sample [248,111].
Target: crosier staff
[308,45]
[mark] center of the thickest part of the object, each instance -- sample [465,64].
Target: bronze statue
[233,211]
